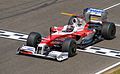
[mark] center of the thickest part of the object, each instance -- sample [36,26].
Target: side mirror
[50,30]
[53,30]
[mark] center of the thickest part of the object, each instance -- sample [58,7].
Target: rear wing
[95,15]
[97,12]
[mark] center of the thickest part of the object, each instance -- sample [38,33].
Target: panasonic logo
[95,11]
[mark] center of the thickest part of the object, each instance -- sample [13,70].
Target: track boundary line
[108,68]
[117,25]
[111,6]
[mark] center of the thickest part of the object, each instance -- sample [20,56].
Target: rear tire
[69,45]
[33,39]
[108,30]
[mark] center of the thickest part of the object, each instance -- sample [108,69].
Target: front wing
[27,50]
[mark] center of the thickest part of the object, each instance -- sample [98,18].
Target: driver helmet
[70,28]
[77,22]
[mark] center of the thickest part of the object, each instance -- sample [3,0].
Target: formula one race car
[81,31]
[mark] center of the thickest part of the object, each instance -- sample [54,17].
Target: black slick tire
[108,30]
[33,39]
[69,45]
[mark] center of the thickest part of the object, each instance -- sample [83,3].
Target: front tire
[69,45]
[108,30]
[33,39]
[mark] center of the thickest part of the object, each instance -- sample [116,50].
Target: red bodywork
[49,40]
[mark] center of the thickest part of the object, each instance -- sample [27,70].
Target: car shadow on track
[38,57]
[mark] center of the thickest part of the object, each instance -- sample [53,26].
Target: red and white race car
[81,31]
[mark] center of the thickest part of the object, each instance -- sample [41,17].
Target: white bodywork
[60,56]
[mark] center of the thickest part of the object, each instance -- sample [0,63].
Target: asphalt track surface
[38,15]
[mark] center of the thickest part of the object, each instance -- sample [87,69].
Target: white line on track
[101,51]
[118,63]
[108,68]
[117,25]
[13,35]
[112,6]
